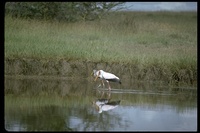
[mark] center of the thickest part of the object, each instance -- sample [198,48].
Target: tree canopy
[67,11]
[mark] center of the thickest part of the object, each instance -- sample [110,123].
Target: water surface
[39,104]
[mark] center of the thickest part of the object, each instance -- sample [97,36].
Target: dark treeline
[61,11]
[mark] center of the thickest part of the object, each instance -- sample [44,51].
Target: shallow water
[37,104]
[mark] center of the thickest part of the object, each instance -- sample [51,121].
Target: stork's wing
[109,76]
[108,107]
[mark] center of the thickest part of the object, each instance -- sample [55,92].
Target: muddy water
[59,104]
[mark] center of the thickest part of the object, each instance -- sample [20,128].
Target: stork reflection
[105,103]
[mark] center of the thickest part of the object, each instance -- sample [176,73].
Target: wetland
[61,104]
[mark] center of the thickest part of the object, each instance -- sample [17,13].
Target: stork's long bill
[97,76]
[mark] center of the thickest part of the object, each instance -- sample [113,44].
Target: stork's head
[96,74]
[97,107]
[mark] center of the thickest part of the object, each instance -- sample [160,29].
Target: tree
[68,11]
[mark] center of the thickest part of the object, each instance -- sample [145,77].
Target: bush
[67,11]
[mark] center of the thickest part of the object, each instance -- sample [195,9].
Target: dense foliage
[67,11]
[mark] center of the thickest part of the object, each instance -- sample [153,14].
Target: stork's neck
[101,71]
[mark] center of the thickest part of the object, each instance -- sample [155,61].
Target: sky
[160,6]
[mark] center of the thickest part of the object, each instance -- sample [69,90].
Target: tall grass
[164,38]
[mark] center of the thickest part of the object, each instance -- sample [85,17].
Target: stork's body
[105,105]
[106,76]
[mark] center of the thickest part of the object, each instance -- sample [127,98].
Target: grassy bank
[145,38]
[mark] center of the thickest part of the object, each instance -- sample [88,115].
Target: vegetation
[61,11]
[143,38]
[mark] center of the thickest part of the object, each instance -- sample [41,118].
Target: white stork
[106,76]
[105,105]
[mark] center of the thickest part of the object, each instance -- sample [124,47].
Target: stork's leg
[109,88]
[103,83]
[102,94]
[108,95]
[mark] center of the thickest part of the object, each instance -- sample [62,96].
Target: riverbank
[82,69]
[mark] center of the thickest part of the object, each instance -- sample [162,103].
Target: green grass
[165,38]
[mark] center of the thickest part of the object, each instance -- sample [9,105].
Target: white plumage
[106,76]
[105,105]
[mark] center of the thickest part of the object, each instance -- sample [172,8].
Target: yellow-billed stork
[106,76]
[105,105]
